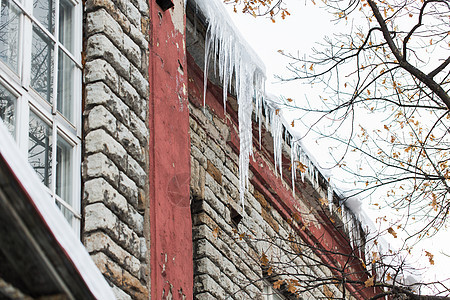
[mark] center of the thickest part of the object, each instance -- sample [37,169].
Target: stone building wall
[115,133]
[228,250]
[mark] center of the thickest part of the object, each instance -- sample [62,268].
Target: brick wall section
[115,166]
[227,265]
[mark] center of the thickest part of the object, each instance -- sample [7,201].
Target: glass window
[40,41]
[44,12]
[40,148]
[64,165]
[66,68]
[9,34]
[64,170]
[66,10]
[42,64]
[8,104]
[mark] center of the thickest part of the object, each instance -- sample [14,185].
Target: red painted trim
[169,153]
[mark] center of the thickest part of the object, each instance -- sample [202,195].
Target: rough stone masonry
[115,133]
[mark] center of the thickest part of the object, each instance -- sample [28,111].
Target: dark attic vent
[165,4]
[235,217]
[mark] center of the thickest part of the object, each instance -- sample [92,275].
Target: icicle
[206,67]
[232,55]
[330,196]
[276,129]
[294,158]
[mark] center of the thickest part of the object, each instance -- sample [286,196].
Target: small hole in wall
[165,4]
[235,217]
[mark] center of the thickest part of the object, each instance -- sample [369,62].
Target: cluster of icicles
[238,66]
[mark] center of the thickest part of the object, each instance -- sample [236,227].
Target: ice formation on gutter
[237,63]
[234,59]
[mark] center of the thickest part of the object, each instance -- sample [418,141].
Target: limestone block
[205,296]
[100,117]
[99,217]
[98,190]
[222,127]
[232,165]
[215,210]
[143,200]
[100,70]
[139,82]
[121,278]
[206,283]
[192,123]
[99,165]
[218,151]
[213,132]
[197,141]
[138,37]
[142,5]
[231,190]
[132,50]
[100,21]
[129,189]
[205,266]
[133,14]
[129,95]
[112,9]
[143,248]
[231,177]
[198,155]
[211,155]
[99,45]
[219,251]
[145,57]
[138,128]
[108,268]
[99,93]
[100,141]
[130,142]
[199,116]
[136,172]
[214,172]
[99,241]
[198,175]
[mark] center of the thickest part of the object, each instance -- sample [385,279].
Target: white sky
[298,33]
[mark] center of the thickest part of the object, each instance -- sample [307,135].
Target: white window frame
[269,293]
[29,100]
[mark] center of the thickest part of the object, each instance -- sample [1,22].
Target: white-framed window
[269,293]
[40,92]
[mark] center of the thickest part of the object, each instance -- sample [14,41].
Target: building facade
[106,101]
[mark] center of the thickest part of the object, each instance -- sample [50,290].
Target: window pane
[64,170]
[8,109]
[44,12]
[66,10]
[66,68]
[42,64]
[40,148]
[67,213]
[9,34]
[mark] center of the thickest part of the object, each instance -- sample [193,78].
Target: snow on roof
[53,217]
